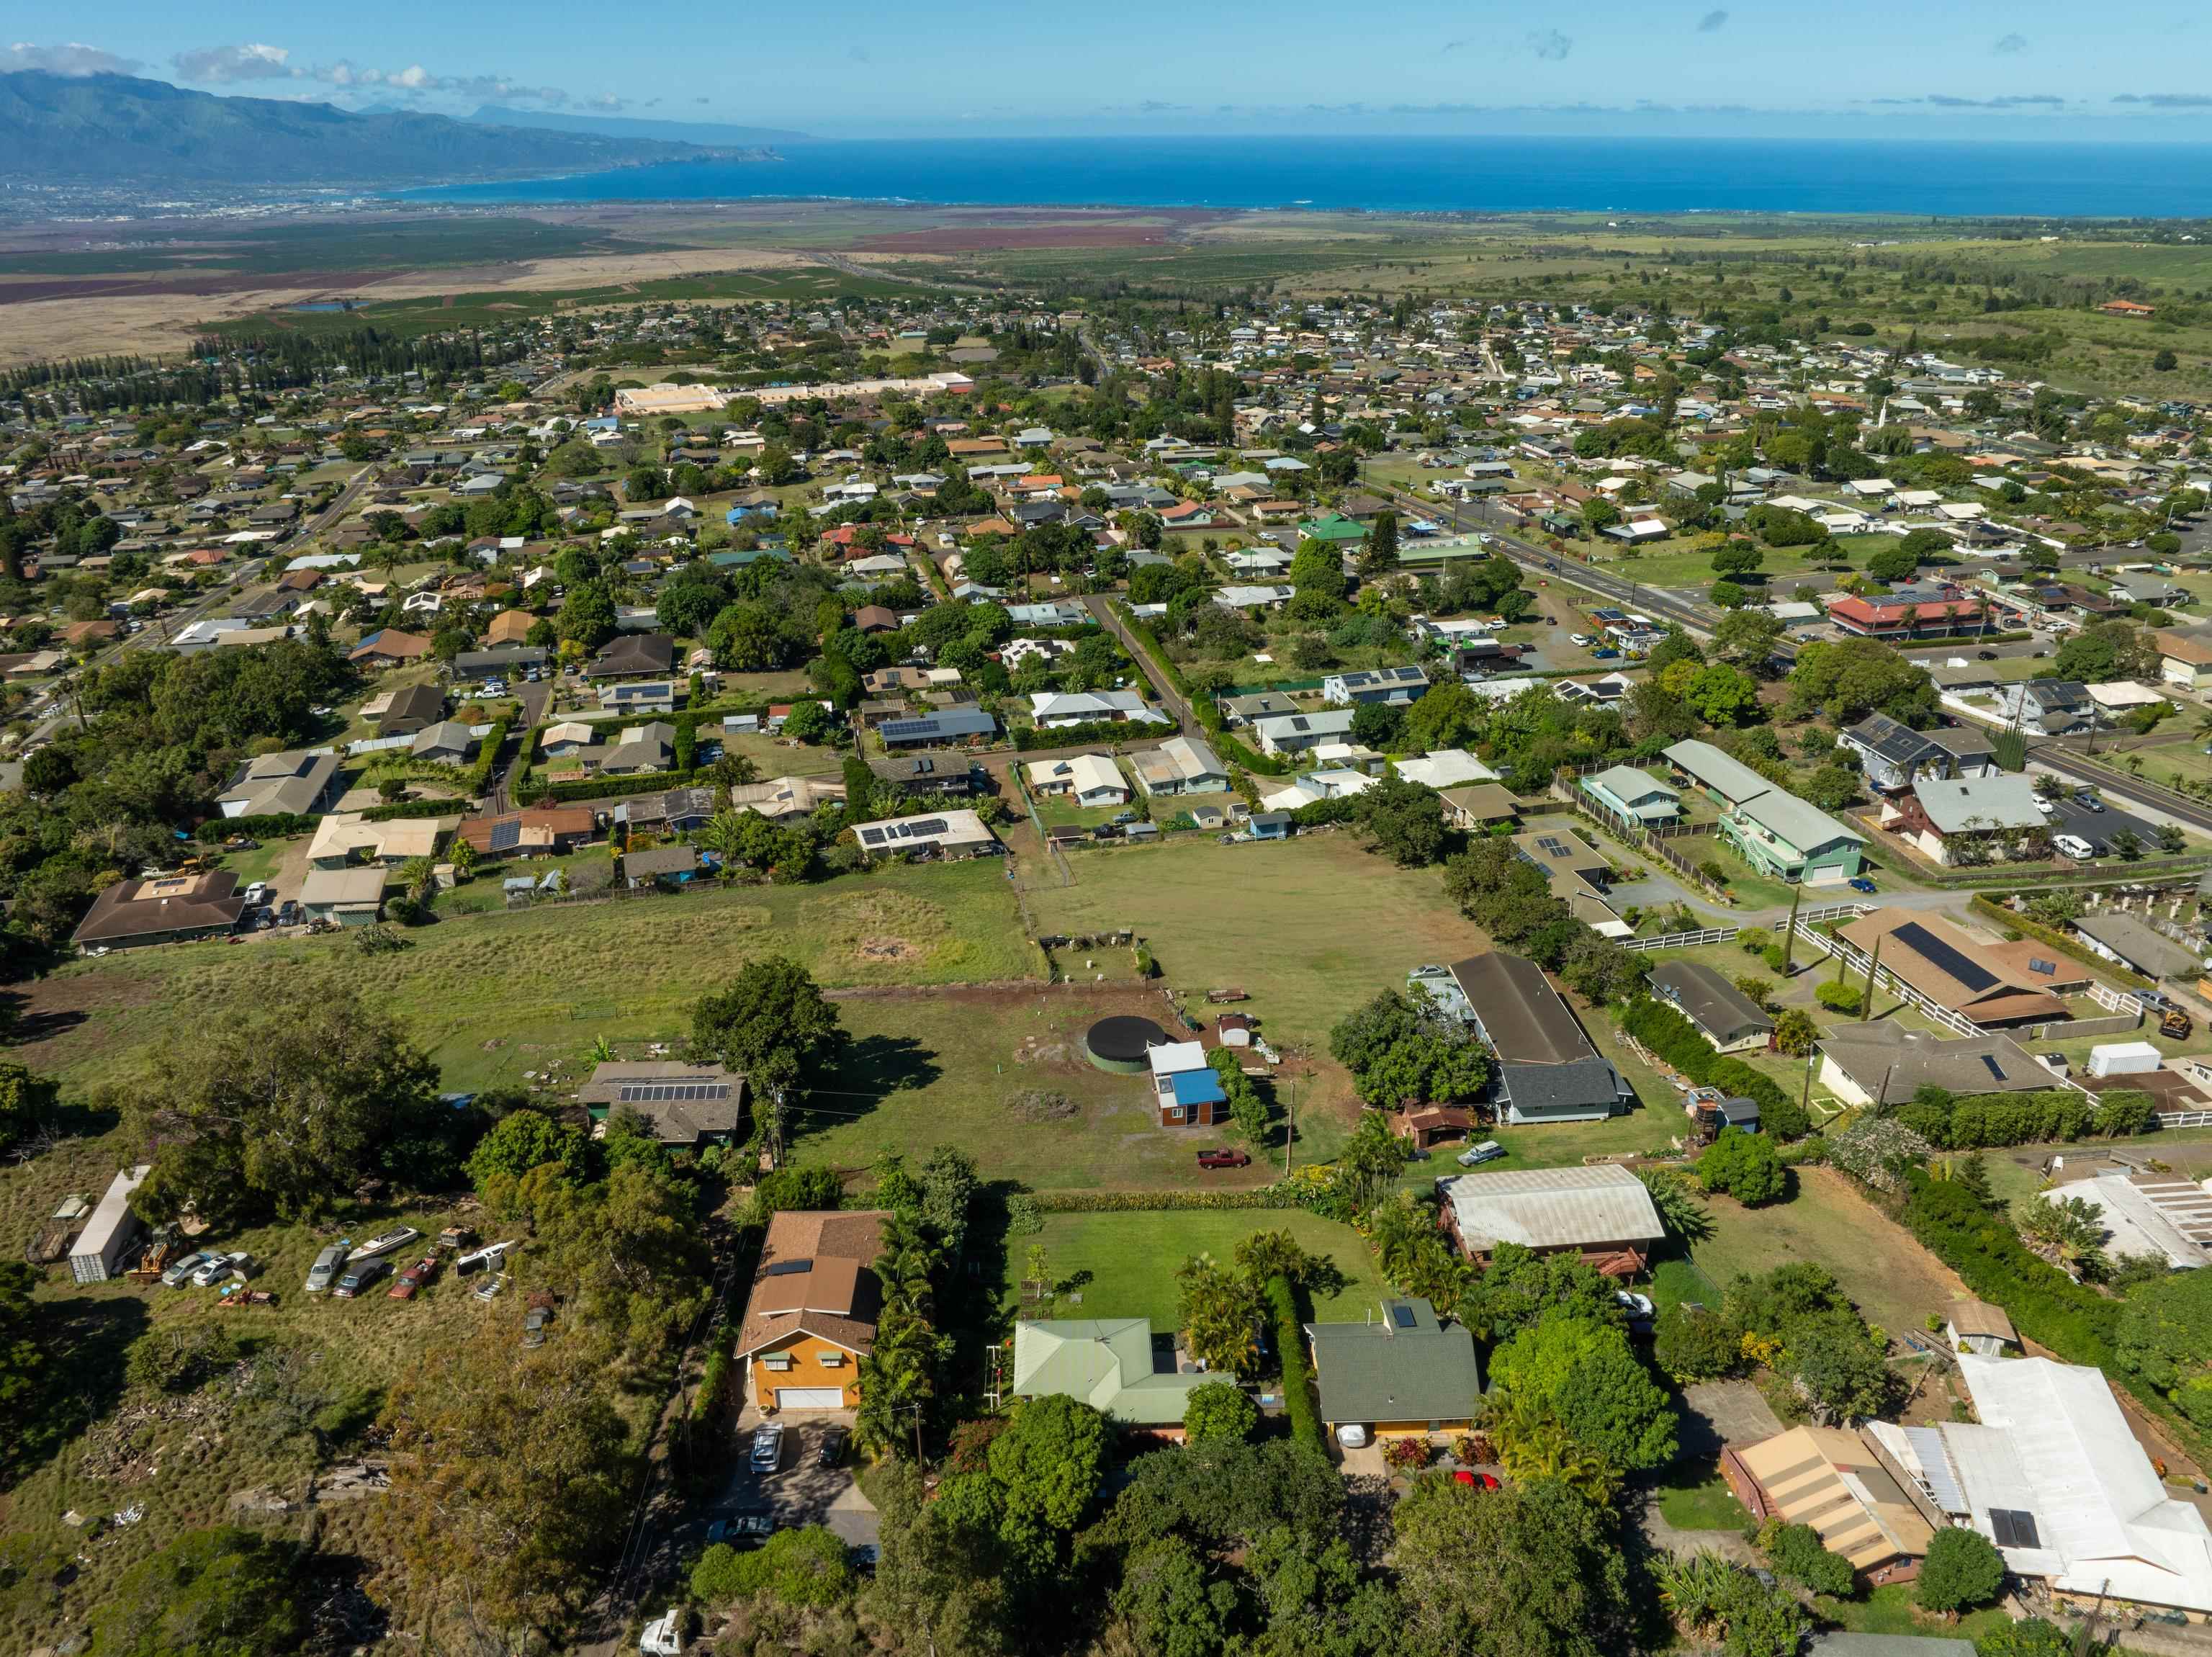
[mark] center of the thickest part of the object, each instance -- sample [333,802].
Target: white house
[1089,779]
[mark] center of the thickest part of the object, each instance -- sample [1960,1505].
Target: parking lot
[2097,827]
[801,1491]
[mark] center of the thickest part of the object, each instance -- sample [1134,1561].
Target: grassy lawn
[260,864]
[493,995]
[1895,1281]
[965,1067]
[1890,1611]
[1693,1496]
[1751,889]
[1310,927]
[2016,1171]
[1059,810]
[1133,1258]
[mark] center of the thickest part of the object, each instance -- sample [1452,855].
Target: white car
[1352,1435]
[2075,847]
[1580,640]
[768,1447]
[664,1635]
[220,1267]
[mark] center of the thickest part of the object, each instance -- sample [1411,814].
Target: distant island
[714,134]
[118,130]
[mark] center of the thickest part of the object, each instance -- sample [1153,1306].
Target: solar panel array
[2014,1529]
[904,727]
[670,1093]
[506,834]
[2050,968]
[1932,949]
[786,1268]
[1551,846]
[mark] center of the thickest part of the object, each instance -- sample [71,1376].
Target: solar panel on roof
[1402,1314]
[2014,1529]
[1932,949]
[874,836]
[1551,846]
[928,825]
[2047,967]
[506,834]
[786,1268]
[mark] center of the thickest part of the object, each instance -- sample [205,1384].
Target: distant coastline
[1446,174]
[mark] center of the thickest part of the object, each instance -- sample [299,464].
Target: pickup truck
[1223,1157]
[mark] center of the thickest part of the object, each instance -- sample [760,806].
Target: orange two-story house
[811,1316]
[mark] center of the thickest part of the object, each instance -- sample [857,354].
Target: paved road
[534,699]
[1102,605]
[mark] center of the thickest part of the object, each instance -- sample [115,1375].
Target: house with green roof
[1115,1365]
[1777,833]
[1400,1372]
[1335,530]
[1634,794]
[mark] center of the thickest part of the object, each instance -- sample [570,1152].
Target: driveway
[1718,1414]
[801,1491]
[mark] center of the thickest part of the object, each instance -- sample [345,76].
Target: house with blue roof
[1188,1089]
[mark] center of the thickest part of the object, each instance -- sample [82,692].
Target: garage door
[810,1397]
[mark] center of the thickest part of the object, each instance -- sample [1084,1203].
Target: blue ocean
[1437,174]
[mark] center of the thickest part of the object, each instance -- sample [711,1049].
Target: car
[1605,653]
[221,1266]
[664,1635]
[1475,1155]
[741,1524]
[186,1270]
[1860,883]
[258,894]
[1985,655]
[1581,640]
[1640,1310]
[1479,1481]
[2049,808]
[288,912]
[768,1447]
[2075,847]
[1223,1157]
[414,1277]
[831,1452]
[360,1274]
[1353,1436]
[326,1268]
[491,1257]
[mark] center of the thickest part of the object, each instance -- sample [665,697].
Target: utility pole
[1873,965]
[1790,932]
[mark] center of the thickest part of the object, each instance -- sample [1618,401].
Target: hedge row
[2036,1119]
[274,825]
[399,808]
[2047,1306]
[479,777]
[1108,731]
[606,788]
[2058,940]
[1280,1195]
[1675,1039]
[1300,1403]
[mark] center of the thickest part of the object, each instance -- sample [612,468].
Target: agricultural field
[1133,1258]
[494,995]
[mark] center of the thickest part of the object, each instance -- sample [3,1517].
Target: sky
[2008,69]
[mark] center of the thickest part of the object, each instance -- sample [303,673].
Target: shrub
[1777,960]
[1219,1412]
[1840,997]
[1744,1164]
[1407,1455]
[1797,1553]
[1963,1568]
[1695,1346]
[1676,1040]
[2074,1321]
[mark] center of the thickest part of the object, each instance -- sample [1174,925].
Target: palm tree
[602,1050]
[416,875]
[1534,1444]
[2068,1231]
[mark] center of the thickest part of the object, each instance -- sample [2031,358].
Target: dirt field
[159,313]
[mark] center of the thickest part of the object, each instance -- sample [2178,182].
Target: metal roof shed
[99,1246]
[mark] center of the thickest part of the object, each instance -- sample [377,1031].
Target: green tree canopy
[1589,1376]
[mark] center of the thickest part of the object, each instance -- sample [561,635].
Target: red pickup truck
[1223,1157]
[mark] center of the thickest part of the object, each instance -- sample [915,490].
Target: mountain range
[120,131]
[713,133]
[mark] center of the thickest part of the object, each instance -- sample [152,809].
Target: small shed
[107,1236]
[1235,1029]
[1978,1326]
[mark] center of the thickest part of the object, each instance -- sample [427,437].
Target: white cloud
[226,65]
[74,58]
[221,65]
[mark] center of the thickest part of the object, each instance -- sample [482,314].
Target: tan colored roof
[1825,1477]
[835,1297]
[1997,994]
[1979,1318]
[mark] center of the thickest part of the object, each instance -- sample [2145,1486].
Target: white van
[2075,847]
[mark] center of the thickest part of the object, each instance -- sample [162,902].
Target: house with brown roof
[509,627]
[687,1104]
[1844,1487]
[161,909]
[811,1315]
[388,646]
[1953,970]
